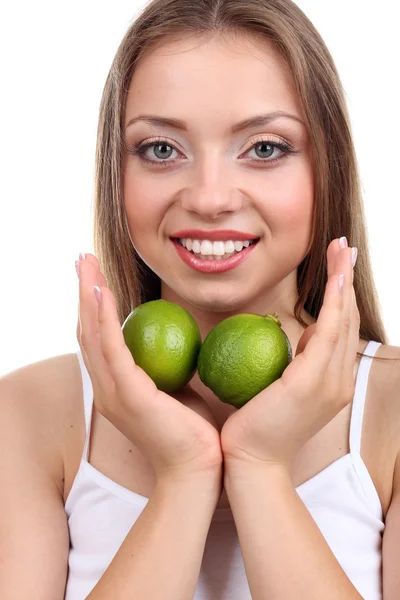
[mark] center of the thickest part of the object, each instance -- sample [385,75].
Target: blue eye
[163,150]
[265,148]
[268,149]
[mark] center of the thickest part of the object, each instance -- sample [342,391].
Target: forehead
[223,77]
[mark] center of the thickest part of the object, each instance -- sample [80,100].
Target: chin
[212,296]
[218,303]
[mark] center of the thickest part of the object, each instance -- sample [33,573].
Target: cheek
[289,200]
[144,206]
[296,210]
[300,201]
[288,212]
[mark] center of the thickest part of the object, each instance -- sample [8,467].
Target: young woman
[221,121]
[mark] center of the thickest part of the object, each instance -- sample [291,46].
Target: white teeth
[196,246]
[229,246]
[218,248]
[206,247]
[208,250]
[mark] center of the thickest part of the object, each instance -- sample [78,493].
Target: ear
[308,333]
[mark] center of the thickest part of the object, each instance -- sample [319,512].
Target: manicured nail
[354,253]
[343,242]
[97,293]
[77,267]
[81,256]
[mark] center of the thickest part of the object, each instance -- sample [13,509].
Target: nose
[210,189]
[211,200]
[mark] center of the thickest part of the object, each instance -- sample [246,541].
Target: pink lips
[213,266]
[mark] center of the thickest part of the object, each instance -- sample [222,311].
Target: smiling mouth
[206,250]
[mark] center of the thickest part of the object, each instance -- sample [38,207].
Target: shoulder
[381,422]
[385,380]
[390,547]
[58,366]
[387,371]
[386,350]
[39,397]
[44,387]
[385,384]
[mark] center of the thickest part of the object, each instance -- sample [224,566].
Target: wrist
[246,472]
[208,484]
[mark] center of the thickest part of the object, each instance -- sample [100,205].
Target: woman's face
[211,175]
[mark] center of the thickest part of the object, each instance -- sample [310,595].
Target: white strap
[357,411]
[87,402]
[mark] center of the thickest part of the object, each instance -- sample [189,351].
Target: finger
[332,251]
[100,281]
[351,359]
[328,349]
[308,333]
[339,364]
[97,277]
[118,358]
[328,333]
[89,333]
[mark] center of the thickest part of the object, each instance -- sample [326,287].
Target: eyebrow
[256,121]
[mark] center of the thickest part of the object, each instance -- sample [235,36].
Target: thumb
[193,400]
[308,333]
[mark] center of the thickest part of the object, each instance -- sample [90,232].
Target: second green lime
[242,355]
[165,341]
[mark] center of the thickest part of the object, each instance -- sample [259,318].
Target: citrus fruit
[164,341]
[242,355]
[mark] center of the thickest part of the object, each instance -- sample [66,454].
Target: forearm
[285,554]
[161,556]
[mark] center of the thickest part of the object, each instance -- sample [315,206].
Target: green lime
[164,341]
[242,355]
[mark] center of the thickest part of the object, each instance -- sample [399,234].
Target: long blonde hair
[338,205]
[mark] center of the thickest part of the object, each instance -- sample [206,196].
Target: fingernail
[97,293]
[81,256]
[77,267]
[343,242]
[354,253]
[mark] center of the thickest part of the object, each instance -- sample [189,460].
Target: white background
[54,61]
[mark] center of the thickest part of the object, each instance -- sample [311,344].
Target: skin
[216,179]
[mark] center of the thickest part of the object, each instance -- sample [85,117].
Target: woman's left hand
[318,383]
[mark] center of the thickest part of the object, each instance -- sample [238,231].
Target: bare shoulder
[47,369]
[391,370]
[387,375]
[43,394]
[384,379]
[385,383]
[388,351]
[391,536]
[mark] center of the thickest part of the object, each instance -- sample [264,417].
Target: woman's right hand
[178,435]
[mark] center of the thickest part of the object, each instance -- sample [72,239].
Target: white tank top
[342,499]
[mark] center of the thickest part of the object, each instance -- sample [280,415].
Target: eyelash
[140,149]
